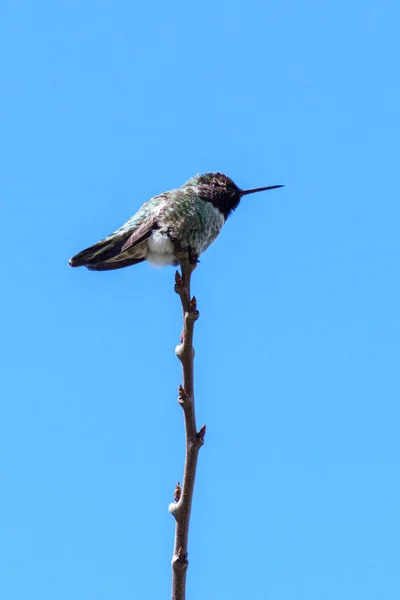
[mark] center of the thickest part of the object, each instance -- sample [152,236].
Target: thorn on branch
[201,433]
[193,313]
[182,394]
[178,279]
[183,397]
[193,304]
[177,492]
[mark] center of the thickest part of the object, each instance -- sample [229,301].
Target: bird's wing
[115,247]
[140,234]
[124,245]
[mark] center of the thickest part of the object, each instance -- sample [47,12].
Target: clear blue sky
[105,104]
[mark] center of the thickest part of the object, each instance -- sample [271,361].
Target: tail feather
[96,253]
[104,266]
[107,249]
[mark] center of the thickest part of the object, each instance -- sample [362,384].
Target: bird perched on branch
[188,218]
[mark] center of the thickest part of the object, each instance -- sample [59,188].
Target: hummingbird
[188,218]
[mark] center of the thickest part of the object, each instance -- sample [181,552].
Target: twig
[181,508]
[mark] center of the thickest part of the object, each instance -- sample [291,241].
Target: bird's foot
[193,256]
[187,255]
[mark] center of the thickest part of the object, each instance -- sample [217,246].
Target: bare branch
[181,508]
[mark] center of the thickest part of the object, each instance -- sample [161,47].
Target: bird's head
[222,191]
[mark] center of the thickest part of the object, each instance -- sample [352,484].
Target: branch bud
[177,492]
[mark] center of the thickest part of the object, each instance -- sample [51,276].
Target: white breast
[160,250]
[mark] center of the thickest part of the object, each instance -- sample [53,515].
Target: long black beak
[263,189]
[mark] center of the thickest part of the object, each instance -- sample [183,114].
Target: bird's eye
[216,183]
